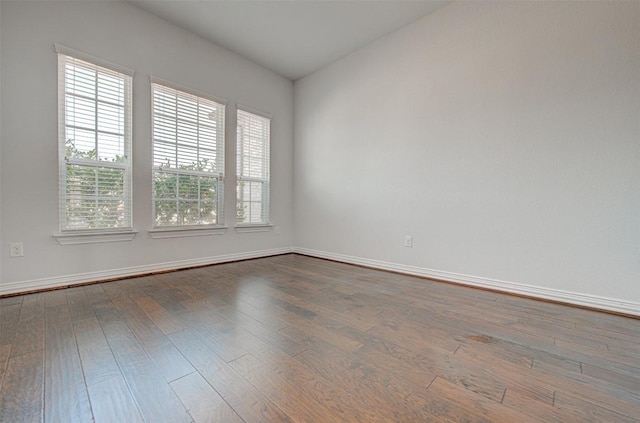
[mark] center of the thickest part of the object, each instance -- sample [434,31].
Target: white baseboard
[66,280]
[584,300]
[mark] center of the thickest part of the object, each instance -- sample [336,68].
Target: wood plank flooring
[297,339]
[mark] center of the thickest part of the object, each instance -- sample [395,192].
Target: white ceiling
[294,37]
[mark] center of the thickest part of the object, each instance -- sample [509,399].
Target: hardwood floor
[297,339]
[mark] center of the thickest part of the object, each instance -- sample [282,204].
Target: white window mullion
[95,113]
[175,161]
[198,139]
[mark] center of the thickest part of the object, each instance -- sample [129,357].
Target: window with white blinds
[94,146]
[188,158]
[253,144]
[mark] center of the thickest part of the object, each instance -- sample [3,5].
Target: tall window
[94,146]
[188,157]
[253,139]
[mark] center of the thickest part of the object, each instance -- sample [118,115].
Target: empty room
[319,211]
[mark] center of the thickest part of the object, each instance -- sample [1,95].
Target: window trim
[68,51]
[265,225]
[174,231]
[94,237]
[66,236]
[155,80]
[163,232]
[247,228]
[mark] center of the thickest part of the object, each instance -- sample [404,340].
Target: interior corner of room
[493,144]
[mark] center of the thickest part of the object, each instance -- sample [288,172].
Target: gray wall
[125,35]
[503,136]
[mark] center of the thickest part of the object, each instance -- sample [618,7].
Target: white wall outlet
[16,249]
[276,230]
[408,241]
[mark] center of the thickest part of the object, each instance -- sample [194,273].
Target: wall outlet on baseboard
[408,241]
[16,249]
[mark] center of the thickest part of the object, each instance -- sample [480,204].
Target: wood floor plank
[28,336]
[98,362]
[473,374]
[9,317]
[202,402]
[476,349]
[586,411]
[111,401]
[32,307]
[109,395]
[532,407]
[513,376]
[297,339]
[21,398]
[293,398]
[170,362]
[334,332]
[159,316]
[393,398]
[5,353]
[387,363]
[223,338]
[252,323]
[244,398]
[198,312]
[263,309]
[95,293]
[65,392]
[156,400]
[453,403]
[414,336]
[286,376]
[627,380]
[164,293]
[13,300]
[55,298]
[246,364]
[78,304]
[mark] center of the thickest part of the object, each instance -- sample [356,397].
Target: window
[188,158]
[94,145]
[253,134]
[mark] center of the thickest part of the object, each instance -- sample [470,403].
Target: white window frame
[264,221]
[199,228]
[122,230]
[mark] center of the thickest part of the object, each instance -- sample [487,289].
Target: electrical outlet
[16,249]
[408,241]
[276,230]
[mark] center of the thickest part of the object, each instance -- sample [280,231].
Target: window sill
[96,237]
[179,232]
[245,229]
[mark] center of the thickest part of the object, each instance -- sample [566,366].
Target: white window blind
[94,146]
[253,144]
[188,158]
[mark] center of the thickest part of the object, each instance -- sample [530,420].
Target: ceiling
[295,37]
